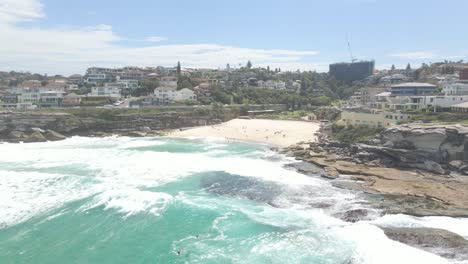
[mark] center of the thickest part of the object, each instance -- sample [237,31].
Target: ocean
[167,200]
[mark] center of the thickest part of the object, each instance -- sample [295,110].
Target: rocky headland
[425,164]
[411,169]
[42,126]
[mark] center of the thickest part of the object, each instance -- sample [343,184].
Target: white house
[455,88]
[113,91]
[185,94]
[170,94]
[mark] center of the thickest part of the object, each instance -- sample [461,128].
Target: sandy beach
[281,133]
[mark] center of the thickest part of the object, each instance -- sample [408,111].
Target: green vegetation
[441,117]
[266,96]
[147,87]
[353,134]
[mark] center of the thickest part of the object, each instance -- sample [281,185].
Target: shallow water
[162,200]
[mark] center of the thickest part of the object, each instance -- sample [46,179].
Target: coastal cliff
[29,126]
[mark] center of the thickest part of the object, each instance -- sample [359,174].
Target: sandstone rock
[330,173]
[455,165]
[305,168]
[438,241]
[16,136]
[35,136]
[434,167]
[53,136]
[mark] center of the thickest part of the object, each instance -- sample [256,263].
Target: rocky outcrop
[438,241]
[410,191]
[34,135]
[437,148]
[42,126]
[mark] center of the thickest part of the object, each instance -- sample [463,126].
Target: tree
[147,86]
[249,65]
[184,82]
[417,74]
[408,67]
[393,68]
[179,70]
[268,68]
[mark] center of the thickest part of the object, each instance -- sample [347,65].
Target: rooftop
[413,84]
[462,105]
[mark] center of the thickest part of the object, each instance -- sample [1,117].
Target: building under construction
[354,71]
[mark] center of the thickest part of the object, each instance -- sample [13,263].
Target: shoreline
[274,133]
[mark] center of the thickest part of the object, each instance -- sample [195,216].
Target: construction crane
[350,51]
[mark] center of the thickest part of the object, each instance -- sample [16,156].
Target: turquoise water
[162,200]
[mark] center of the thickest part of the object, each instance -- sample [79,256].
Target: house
[394,78]
[169,94]
[9,100]
[111,90]
[185,94]
[455,88]
[30,95]
[76,79]
[71,99]
[97,78]
[51,99]
[413,89]
[165,94]
[460,108]
[372,118]
[420,102]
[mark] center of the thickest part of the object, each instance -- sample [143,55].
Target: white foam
[372,246]
[455,225]
[130,201]
[27,194]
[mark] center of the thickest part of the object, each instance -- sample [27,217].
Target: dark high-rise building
[464,74]
[355,71]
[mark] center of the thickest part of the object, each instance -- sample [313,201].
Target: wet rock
[330,173]
[222,183]
[416,206]
[53,136]
[438,241]
[354,215]
[305,168]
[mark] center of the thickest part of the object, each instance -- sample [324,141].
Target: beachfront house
[372,118]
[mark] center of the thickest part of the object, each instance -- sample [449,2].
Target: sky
[68,36]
